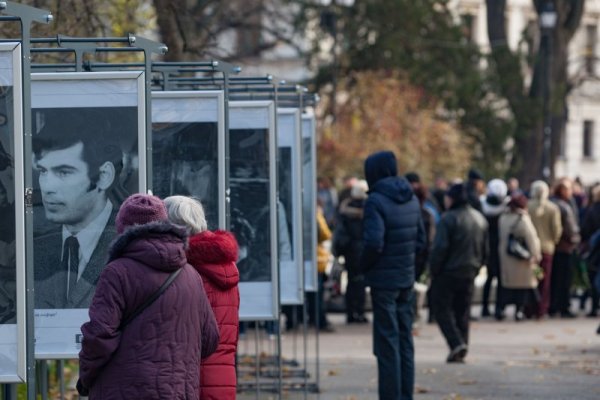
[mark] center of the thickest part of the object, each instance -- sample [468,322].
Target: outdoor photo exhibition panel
[88,156]
[309,201]
[289,207]
[252,180]
[188,149]
[12,214]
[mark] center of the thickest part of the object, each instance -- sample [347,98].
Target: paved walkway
[551,359]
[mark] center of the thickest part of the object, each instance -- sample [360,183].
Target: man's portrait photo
[84,162]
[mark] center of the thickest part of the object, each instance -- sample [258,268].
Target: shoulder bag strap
[150,300]
[512,227]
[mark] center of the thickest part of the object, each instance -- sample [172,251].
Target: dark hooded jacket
[393,227]
[157,355]
[214,254]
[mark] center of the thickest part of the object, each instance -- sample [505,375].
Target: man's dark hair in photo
[63,128]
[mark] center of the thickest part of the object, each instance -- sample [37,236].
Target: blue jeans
[393,342]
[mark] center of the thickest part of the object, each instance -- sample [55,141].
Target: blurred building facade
[580,144]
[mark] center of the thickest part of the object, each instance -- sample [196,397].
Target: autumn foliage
[382,111]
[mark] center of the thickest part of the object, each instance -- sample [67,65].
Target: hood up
[213,255]
[379,166]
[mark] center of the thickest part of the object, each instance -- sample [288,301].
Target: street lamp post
[548,18]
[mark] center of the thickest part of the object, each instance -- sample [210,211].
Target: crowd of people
[540,246]
[391,231]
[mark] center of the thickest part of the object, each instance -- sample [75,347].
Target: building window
[588,139]
[562,145]
[468,26]
[591,34]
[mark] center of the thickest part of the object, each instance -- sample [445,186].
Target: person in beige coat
[545,216]
[518,276]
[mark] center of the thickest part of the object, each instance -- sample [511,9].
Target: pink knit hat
[140,209]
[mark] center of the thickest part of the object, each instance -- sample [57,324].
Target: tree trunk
[527,110]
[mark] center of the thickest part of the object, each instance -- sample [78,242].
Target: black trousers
[560,284]
[355,293]
[451,298]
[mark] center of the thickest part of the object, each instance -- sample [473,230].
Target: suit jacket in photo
[51,281]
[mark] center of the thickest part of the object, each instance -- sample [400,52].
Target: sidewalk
[551,359]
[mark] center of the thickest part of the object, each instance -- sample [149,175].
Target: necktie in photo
[71,253]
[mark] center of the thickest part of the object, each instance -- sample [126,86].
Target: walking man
[460,248]
[393,232]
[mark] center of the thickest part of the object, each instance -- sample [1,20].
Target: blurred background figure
[590,235]
[493,205]
[545,217]
[475,188]
[328,198]
[347,242]
[518,274]
[459,251]
[562,264]
[318,317]
[513,186]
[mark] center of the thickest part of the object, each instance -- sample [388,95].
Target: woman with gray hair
[214,256]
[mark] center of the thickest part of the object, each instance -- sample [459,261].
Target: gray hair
[539,191]
[188,212]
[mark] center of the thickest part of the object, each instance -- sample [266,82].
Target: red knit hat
[140,209]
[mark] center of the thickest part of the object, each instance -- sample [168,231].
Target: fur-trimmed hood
[214,254]
[160,245]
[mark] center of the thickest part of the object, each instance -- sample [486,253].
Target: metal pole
[305,344]
[61,378]
[547,133]
[257,361]
[28,15]
[43,379]
[317,328]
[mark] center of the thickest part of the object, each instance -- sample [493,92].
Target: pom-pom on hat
[140,209]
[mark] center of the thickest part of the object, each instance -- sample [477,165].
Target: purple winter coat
[157,355]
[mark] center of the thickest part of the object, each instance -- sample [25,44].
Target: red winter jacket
[214,254]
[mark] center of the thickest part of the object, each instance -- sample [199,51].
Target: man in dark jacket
[460,248]
[393,232]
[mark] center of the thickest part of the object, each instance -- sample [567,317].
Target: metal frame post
[27,16]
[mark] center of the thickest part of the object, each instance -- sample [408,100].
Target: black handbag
[517,247]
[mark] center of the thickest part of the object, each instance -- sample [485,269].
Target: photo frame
[289,180]
[309,201]
[12,215]
[188,129]
[253,188]
[89,154]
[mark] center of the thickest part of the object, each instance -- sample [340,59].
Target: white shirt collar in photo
[89,236]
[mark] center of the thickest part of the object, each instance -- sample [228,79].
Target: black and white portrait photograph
[185,162]
[8,291]
[85,163]
[250,205]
